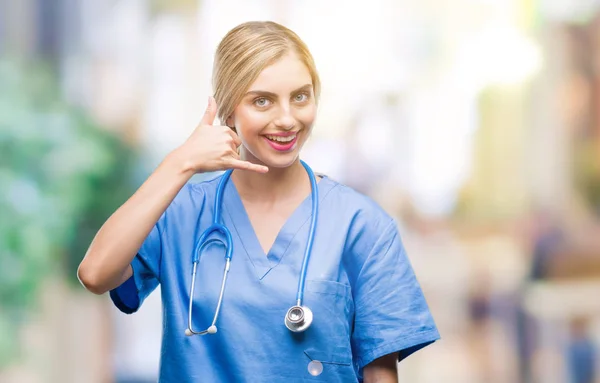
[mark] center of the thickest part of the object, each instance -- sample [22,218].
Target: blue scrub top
[360,286]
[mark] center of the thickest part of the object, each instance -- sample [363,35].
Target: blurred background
[476,123]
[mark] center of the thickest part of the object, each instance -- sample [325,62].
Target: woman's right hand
[213,148]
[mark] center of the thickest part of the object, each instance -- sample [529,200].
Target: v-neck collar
[239,221]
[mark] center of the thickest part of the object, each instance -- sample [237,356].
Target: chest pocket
[328,338]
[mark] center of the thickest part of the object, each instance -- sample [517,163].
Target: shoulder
[204,186]
[370,234]
[361,211]
[194,195]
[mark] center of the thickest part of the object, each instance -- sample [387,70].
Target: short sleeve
[130,295]
[391,313]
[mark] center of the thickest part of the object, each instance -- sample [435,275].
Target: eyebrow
[273,95]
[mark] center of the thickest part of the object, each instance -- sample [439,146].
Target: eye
[301,97]
[261,102]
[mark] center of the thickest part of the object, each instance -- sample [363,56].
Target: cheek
[249,120]
[307,114]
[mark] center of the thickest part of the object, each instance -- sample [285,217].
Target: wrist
[177,163]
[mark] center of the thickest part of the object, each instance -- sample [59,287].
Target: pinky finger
[245,165]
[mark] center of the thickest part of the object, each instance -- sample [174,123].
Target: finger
[210,113]
[234,149]
[245,165]
[233,140]
[236,139]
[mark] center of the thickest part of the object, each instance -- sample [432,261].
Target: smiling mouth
[281,139]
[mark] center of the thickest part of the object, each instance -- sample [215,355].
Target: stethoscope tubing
[216,226]
[311,236]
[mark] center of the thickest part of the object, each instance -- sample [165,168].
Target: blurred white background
[474,122]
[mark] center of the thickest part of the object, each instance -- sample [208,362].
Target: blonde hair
[245,51]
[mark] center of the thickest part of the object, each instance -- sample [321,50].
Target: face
[275,116]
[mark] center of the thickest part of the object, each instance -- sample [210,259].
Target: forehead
[287,73]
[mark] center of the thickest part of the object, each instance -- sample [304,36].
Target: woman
[368,309]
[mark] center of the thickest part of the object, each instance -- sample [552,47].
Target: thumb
[210,113]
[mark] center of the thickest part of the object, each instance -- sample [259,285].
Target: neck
[275,185]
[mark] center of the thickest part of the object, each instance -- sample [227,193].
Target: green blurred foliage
[61,176]
[587,173]
[165,6]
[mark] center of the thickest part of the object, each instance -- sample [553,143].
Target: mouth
[284,139]
[282,143]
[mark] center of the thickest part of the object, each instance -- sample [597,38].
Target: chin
[281,161]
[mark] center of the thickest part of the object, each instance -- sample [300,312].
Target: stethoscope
[299,317]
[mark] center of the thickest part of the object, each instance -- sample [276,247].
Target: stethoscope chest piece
[298,318]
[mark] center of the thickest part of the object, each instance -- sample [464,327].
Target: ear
[230,122]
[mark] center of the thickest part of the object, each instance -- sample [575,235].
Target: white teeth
[281,139]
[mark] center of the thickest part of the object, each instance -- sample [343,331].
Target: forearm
[382,370]
[106,263]
[383,376]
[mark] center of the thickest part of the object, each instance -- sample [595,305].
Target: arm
[382,370]
[107,263]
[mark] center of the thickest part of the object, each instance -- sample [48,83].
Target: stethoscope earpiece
[211,330]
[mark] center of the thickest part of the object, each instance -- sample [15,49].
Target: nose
[285,119]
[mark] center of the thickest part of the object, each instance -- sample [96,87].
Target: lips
[282,143]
